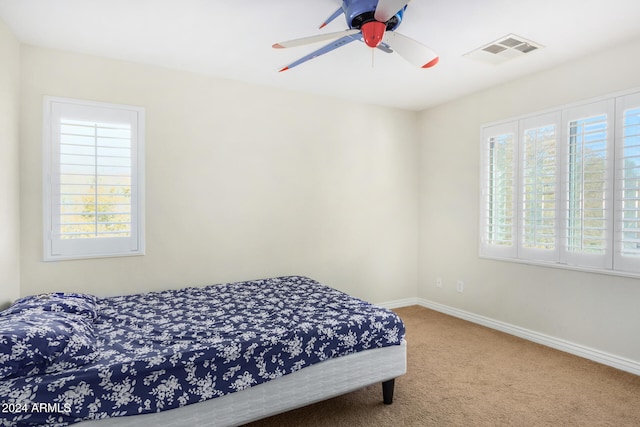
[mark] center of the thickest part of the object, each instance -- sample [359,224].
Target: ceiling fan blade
[414,52]
[325,49]
[333,16]
[387,8]
[314,39]
[385,47]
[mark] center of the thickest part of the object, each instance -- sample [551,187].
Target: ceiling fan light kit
[372,22]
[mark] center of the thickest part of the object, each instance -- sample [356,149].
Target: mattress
[158,351]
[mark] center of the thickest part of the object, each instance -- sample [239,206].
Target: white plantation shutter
[588,185]
[93,179]
[499,151]
[576,175]
[539,185]
[627,219]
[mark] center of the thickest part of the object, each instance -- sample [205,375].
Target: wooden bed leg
[387,391]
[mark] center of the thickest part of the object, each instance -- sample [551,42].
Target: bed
[219,355]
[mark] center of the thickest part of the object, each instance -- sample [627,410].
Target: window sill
[557,265]
[50,258]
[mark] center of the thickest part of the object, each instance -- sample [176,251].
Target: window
[627,179]
[499,147]
[539,215]
[563,188]
[93,179]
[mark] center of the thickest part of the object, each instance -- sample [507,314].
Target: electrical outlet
[460,286]
[439,282]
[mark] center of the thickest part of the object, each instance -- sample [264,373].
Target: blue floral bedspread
[155,351]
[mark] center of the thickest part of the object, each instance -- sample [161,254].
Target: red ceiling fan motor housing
[373,32]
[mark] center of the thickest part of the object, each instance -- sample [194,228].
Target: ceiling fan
[373,22]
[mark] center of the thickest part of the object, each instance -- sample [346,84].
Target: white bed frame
[309,385]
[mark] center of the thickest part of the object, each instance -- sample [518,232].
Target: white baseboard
[400,303]
[537,337]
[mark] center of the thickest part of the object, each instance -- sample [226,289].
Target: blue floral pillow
[60,302]
[38,342]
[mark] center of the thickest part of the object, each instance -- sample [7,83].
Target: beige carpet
[462,374]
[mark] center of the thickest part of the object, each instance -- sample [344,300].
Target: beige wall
[246,182]
[9,161]
[594,310]
[242,182]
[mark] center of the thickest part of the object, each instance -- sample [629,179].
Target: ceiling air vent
[504,49]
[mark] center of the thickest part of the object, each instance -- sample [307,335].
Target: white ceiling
[232,39]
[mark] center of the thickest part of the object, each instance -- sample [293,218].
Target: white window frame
[55,247]
[612,260]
